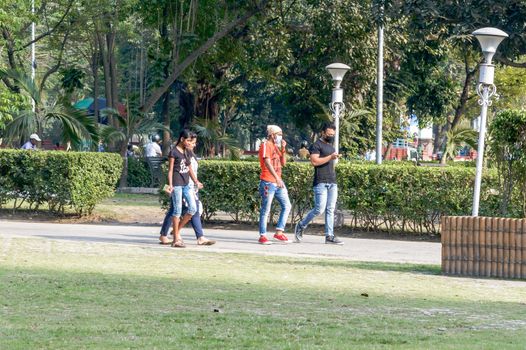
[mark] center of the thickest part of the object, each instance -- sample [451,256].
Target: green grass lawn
[77,295]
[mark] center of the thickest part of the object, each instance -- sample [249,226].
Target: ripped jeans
[267,191]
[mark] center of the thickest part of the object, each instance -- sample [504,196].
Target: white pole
[480,150]
[379,94]
[489,39]
[33,62]
[337,124]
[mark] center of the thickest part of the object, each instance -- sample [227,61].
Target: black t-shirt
[324,173]
[181,172]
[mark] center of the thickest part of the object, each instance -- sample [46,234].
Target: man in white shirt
[32,143]
[153,148]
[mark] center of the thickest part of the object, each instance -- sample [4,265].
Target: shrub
[138,173]
[507,146]
[389,197]
[60,179]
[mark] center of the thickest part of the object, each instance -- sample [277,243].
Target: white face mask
[277,139]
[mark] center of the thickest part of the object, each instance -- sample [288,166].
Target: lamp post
[380,88]
[336,106]
[489,39]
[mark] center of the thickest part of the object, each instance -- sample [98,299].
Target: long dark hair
[185,134]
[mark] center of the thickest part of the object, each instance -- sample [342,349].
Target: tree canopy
[228,68]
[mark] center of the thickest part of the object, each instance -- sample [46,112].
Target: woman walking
[179,174]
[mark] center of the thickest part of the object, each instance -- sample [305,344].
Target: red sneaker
[281,238]
[264,240]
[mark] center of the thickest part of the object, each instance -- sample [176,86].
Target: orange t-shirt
[271,151]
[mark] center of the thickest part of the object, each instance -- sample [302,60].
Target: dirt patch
[128,215]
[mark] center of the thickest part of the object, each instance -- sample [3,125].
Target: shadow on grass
[374,266]
[50,309]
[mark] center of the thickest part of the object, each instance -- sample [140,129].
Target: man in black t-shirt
[323,157]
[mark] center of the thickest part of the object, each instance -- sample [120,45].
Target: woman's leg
[177,200]
[167,219]
[189,196]
[196,222]
[198,226]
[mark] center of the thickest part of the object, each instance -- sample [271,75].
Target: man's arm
[283,153]
[316,160]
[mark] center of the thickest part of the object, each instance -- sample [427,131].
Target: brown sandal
[178,244]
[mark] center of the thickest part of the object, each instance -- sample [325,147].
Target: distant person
[100,147]
[272,157]
[130,151]
[58,147]
[370,155]
[153,148]
[32,143]
[303,153]
[322,157]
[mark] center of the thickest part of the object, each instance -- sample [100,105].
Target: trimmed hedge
[138,173]
[60,179]
[391,197]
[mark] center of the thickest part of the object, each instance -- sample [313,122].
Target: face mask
[277,139]
[329,139]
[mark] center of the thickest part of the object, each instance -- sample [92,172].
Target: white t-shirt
[28,145]
[194,165]
[153,149]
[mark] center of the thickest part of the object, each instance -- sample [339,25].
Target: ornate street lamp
[336,106]
[489,39]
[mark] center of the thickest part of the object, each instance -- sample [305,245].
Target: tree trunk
[443,141]
[179,68]
[186,103]
[11,60]
[141,75]
[95,73]
[206,102]
[464,96]
[105,67]
[166,117]
[123,182]
[110,38]
[387,150]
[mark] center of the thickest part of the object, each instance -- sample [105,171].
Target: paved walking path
[231,241]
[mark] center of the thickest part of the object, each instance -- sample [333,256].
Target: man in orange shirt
[272,157]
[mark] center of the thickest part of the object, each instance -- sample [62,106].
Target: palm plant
[126,128]
[75,125]
[213,136]
[456,138]
[353,138]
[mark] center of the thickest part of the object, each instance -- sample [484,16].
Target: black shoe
[333,240]
[298,233]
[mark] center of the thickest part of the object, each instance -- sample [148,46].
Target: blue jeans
[176,205]
[325,196]
[267,191]
[196,221]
